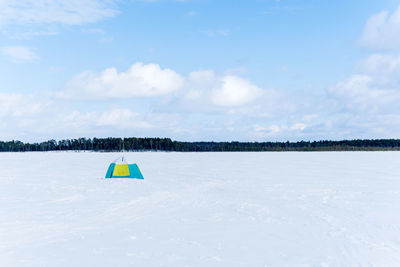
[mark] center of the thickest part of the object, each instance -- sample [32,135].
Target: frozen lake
[201,209]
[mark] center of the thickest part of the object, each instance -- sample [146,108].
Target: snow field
[201,209]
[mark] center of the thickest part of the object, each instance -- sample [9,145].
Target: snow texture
[201,209]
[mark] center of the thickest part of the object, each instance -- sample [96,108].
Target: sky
[200,70]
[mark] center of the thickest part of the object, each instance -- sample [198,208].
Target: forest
[166,144]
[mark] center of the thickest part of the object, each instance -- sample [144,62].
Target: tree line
[166,144]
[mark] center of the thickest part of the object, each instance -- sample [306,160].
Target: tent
[121,169]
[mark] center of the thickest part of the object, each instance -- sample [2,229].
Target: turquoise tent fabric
[110,170]
[135,171]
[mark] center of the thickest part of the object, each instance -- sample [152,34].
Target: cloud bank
[152,100]
[149,100]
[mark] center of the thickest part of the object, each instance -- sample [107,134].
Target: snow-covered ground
[201,209]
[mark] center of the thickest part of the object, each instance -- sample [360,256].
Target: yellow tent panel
[121,170]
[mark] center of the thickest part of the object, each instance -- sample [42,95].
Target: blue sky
[256,70]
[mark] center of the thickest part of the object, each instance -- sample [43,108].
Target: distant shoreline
[135,144]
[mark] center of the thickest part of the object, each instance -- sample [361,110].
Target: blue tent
[121,169]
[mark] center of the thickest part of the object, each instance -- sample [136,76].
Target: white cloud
[140,80]
[18,53]
[365,104]
[382,64]
[206,91]
[66,12]
[201,88]
[122,118]
[17,105]
[375,89]
[298,126]
[274,130]
[235,91]
[382,31]
[21,114]
[266,131]
[353,87]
